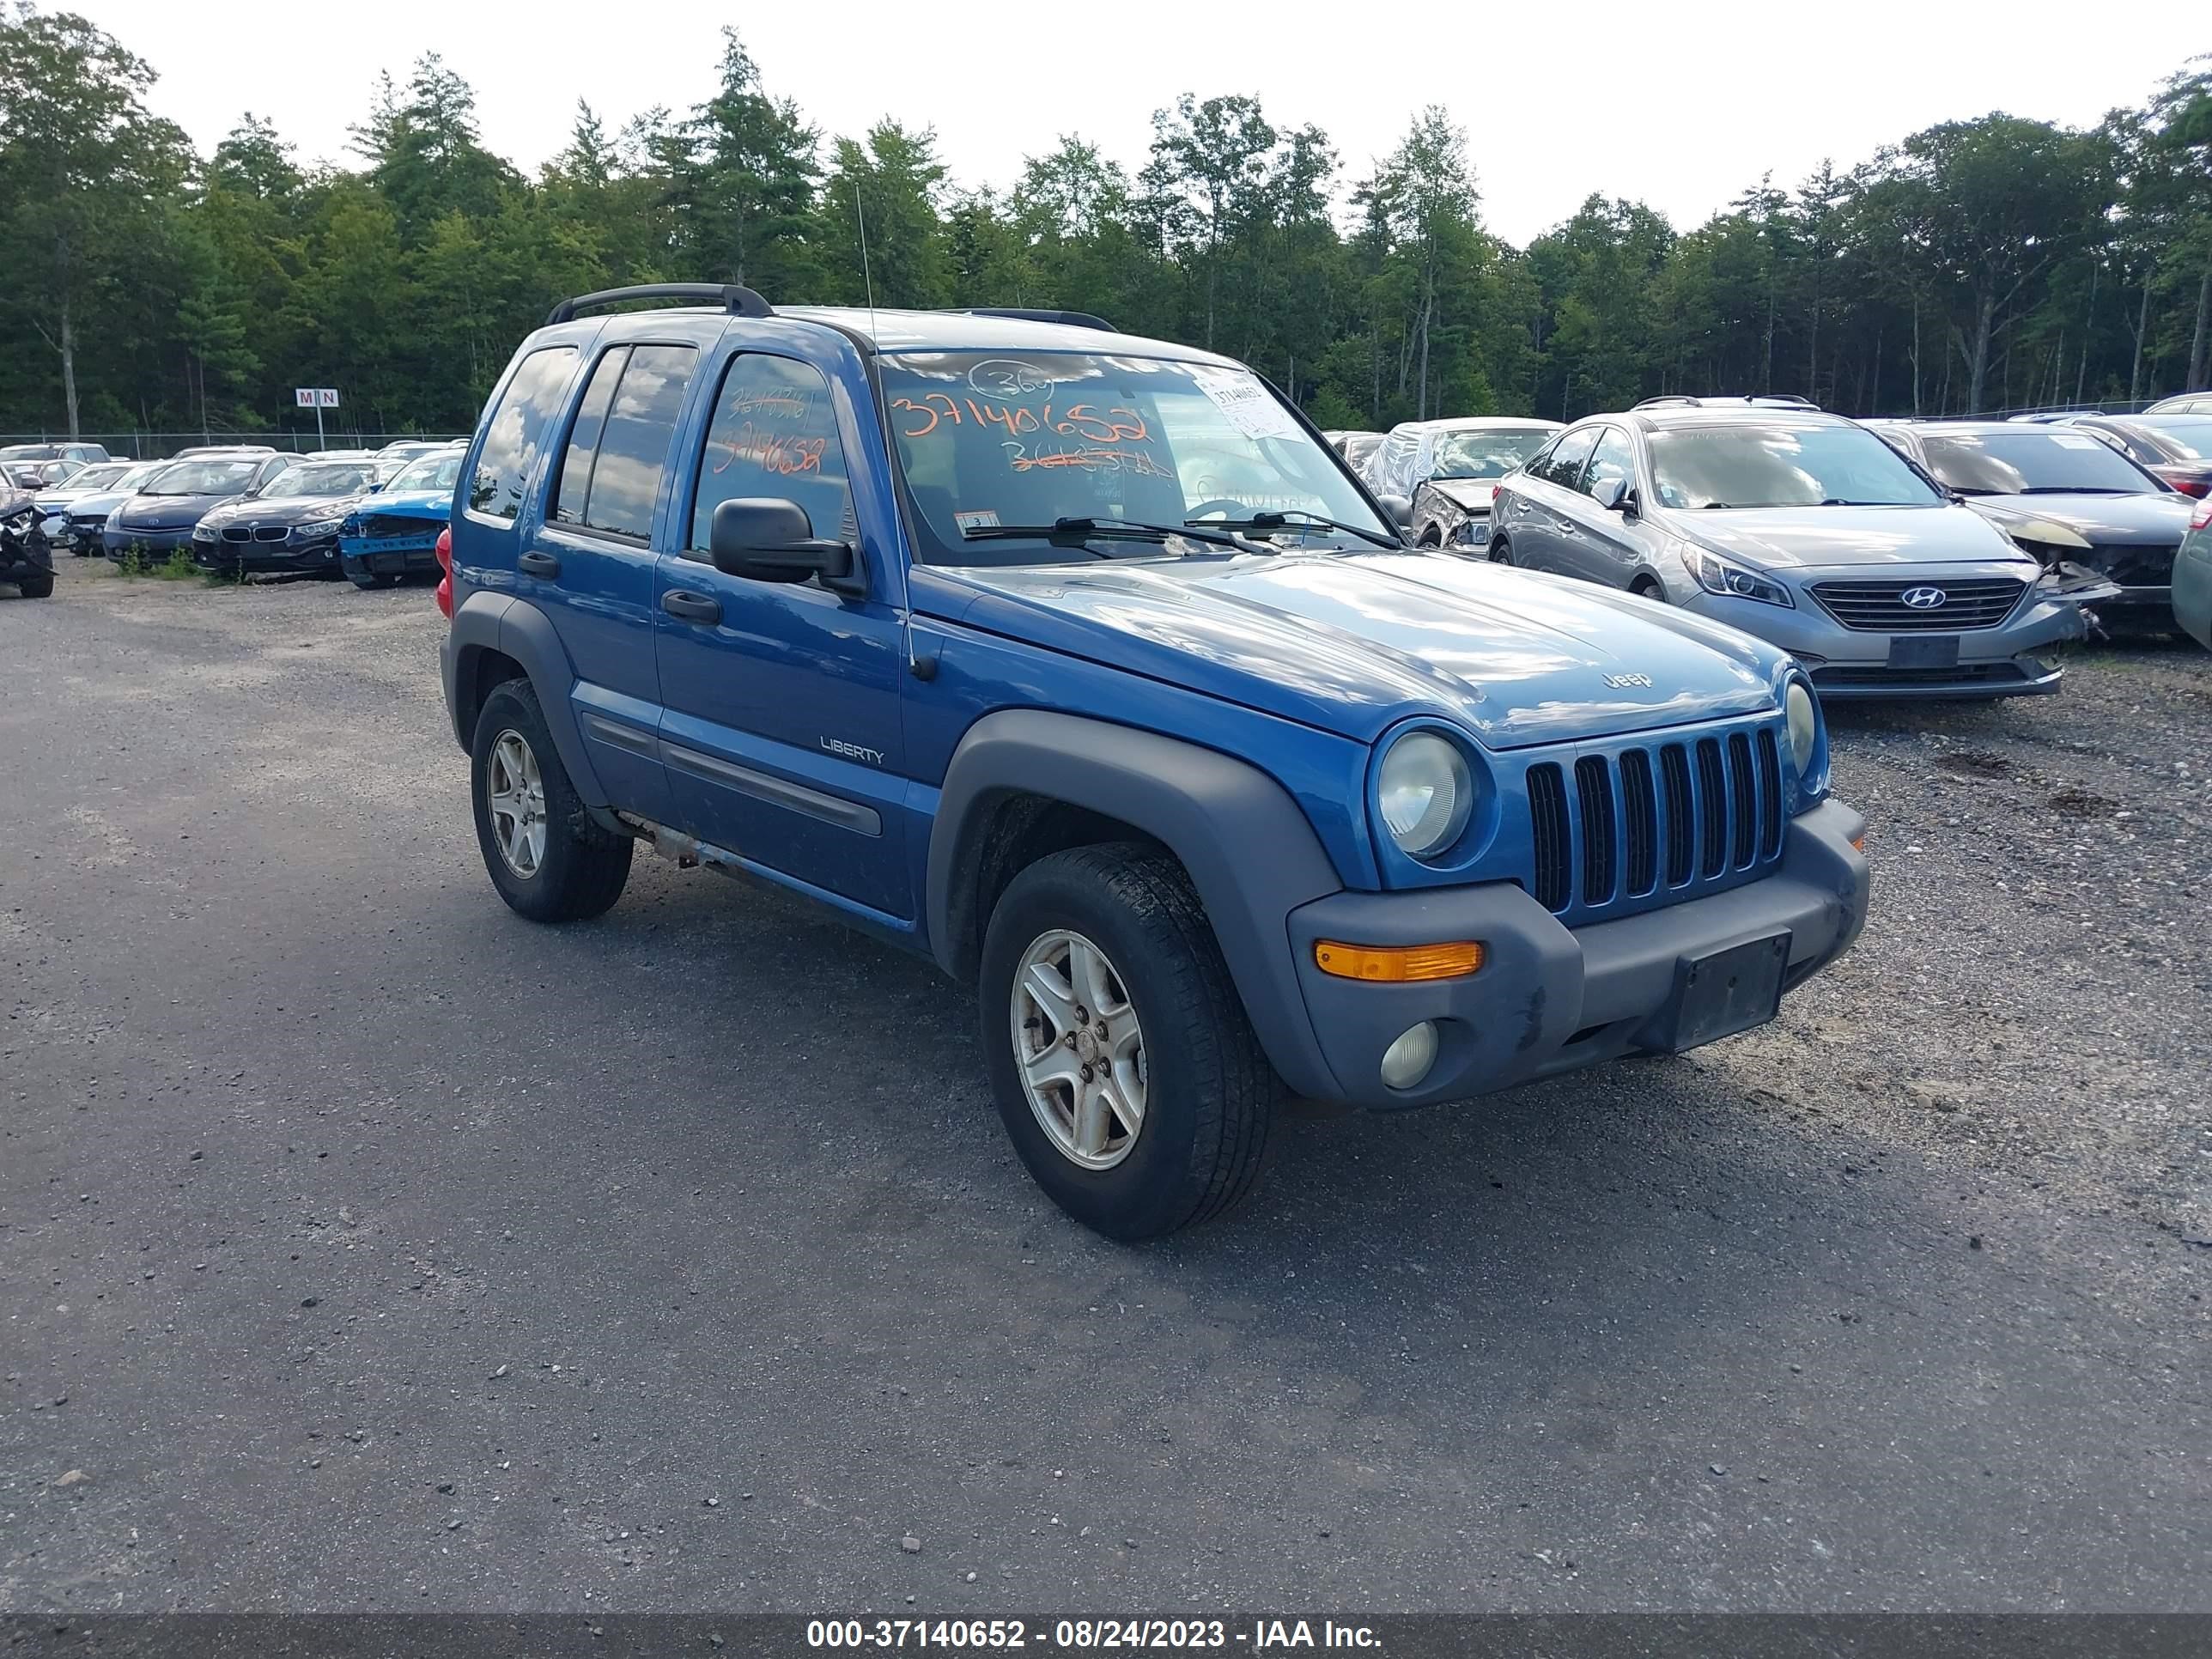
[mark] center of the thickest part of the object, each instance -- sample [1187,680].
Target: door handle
[539,564]
[691,607]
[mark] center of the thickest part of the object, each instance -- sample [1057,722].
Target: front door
[780,730]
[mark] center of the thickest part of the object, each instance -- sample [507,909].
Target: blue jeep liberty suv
[1081,664]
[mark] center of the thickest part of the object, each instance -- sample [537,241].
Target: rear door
[1543,529]
[782,733]
[588,560]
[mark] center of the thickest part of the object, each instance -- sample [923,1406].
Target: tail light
[2202,518]
[2196,487]
[446,580]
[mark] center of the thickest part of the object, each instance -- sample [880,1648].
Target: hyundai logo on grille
[1924,598]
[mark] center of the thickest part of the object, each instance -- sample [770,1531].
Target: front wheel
[549,859]
[38,586]
[1501,551]
[1126,1071]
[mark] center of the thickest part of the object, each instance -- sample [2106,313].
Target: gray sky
[1680,103]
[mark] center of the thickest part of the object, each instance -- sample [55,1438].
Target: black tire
[1647,587]
[365,581]
[1210,1093]
[1432,538]
[39,586]
[1501,551]
[583,869]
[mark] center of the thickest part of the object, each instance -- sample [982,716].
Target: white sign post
[319,398]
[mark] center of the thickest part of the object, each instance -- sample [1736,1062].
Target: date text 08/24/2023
[1086,1634]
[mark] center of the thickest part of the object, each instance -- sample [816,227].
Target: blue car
[1080,664]
[392,534]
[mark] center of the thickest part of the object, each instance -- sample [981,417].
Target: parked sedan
[2188,403]
[1459,456]
[2128,523]
[88,454]
[288,525]
[76,513]
[2192,578]
[393,533]
[160,518]
[2176,448]
[1804,529]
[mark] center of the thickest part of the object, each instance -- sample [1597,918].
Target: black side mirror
[1614,495]
[770,539]
[1399,508]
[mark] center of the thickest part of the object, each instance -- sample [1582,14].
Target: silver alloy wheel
[1080,1050]
[515,792]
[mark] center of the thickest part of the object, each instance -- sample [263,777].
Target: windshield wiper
[1075,531]
[1269,520]
[2081,490]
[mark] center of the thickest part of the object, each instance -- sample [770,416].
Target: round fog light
[1408,1060]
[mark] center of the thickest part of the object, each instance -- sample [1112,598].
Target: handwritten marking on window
[774,452]
[1117,425]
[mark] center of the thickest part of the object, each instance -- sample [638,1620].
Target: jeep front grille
[1641,824]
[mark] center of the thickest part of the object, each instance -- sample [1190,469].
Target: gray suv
[1800,527]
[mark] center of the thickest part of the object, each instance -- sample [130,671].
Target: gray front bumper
[1548,998]
[1852,662]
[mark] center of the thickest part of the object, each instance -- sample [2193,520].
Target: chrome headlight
[202,532]
[1718,575]
[1425,793]
[1804,724]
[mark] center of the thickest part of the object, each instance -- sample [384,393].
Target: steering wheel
[1236,509]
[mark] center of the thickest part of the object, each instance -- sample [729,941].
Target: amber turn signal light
[1397,964]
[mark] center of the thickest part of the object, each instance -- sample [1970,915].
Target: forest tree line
[1984,264]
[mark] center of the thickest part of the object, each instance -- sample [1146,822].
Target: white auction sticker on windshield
[1250,407]
[2074,440]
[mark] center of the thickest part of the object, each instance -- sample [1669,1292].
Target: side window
[1568,456]
[635,442]
[774,432]
[1613,457]
[569,496]
[517,431]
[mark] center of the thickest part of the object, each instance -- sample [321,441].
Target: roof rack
[737,302]
[1683,400]
[1024,313]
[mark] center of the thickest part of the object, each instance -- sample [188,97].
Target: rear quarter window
[515,433]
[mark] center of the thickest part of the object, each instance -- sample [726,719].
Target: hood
[1783,538]
[1472,494]
[2159,520]
[1354,642]
[407,504]
[169,511]
[83,507]
[285,509]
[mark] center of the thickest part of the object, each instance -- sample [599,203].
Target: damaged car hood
[1823,538]
[1352,642]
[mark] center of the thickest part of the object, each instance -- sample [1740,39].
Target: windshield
[99,477]
[429,473]
[989,441]
[203,478]
[320,481]
[1747,464]
[2188,435]
[1485,455]
[2037,458]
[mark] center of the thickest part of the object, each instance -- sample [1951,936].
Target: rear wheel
[1126,1071]
[38,586]
[549,859]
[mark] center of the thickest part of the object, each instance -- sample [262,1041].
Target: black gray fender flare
[514,628]
[1248,848]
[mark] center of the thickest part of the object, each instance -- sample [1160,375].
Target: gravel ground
[363,1247]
